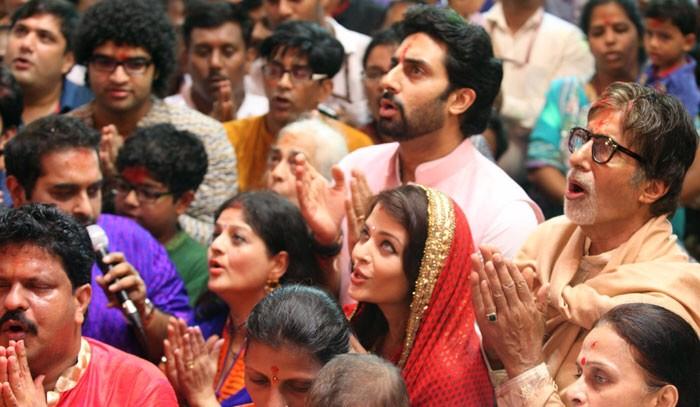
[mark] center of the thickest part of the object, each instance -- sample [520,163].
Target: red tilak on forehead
[583,361]
[274,369]
[654,23]
[135,175]
[122,55]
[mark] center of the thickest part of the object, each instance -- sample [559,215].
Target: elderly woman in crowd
[321,144]
[636,355]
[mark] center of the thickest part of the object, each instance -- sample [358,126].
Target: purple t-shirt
[163,285]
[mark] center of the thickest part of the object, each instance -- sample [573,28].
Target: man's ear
[652,191]
[19,196]
[326,89]
[82,297]
[460,100]
[688,42]
[68,62]
[183,202]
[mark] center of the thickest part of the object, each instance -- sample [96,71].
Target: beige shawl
[648,268]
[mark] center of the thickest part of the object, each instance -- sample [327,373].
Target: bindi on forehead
[275,371]
[583,361]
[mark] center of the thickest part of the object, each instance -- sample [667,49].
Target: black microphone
[100,244]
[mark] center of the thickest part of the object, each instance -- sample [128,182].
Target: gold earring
[271,285]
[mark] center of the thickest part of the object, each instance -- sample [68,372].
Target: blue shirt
[73,96]
[679,83]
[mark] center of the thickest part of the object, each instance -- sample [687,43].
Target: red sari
[441,360]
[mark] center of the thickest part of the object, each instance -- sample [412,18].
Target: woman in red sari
[410,277]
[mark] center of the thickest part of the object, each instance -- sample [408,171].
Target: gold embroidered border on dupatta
[441,228]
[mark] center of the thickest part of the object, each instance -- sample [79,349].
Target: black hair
[57,233]
[630,7]
[469,59]
[407,205]
[658,128]
[214,15]
[46,135]
[681,13]
[303,317]
[281,226]
[135,23]
[11,100]
[324,52]
[63,10]
[174,157]
[396,3]
[390,36]
[664,345]
[337,383]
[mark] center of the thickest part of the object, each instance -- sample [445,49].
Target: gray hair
[658,128]
[330,144]
[338,382]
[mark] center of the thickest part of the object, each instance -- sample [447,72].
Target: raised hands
[18,389]
[222,110]
[357,207]
[322,206]
[506,311]
[190,363]
[110,143]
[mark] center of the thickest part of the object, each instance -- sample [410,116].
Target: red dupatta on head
[441,361]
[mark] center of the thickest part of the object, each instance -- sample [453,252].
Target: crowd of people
[349,203]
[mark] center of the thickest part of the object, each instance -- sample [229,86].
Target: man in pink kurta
[45,269]
[431,108]
[499,212]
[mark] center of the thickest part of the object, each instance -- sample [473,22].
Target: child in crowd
[354,380]
[669,36]
[160,169]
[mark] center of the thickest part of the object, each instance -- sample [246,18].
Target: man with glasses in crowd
[301,59]
[129,49]
[613,245]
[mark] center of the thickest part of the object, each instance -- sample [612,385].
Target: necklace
[230,362]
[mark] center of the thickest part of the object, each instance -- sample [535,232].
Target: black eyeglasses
[132,66]
[297,73]
[604,147]
[143,194]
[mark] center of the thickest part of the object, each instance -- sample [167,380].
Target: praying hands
[510,320]
[18,388]
[190,363]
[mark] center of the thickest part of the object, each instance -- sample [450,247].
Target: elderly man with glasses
[613,245]
[129,50]
[301,58]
